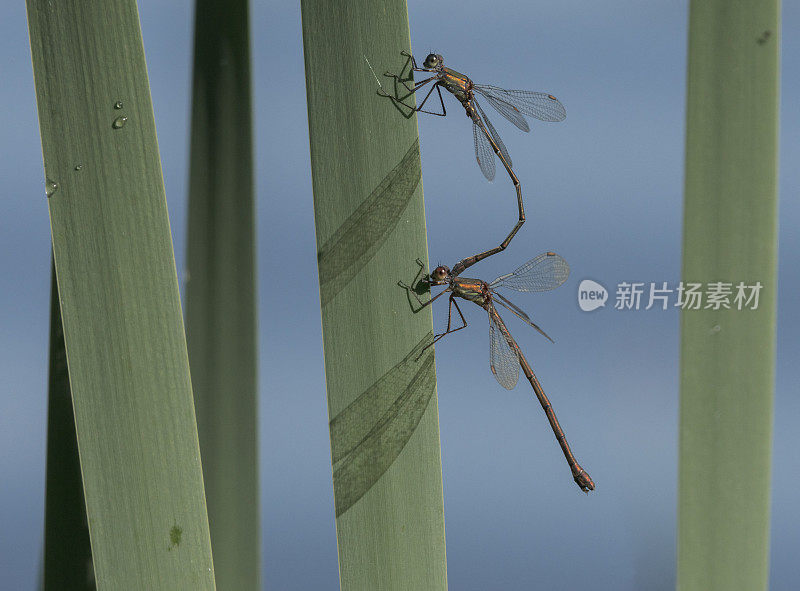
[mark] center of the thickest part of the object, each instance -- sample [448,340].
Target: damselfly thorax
[474,290]
[461,87]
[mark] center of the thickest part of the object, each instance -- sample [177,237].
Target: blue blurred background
[603,188]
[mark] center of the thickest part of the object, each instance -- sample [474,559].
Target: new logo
[591,295]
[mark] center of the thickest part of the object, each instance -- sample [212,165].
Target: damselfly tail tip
[584,481]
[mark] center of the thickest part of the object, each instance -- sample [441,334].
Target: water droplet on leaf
[119,122]
[118,105]
[50,187]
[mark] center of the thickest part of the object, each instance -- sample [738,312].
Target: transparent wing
[503,354]
[483,152]
[541,105]
[499,299]
[542,273]
[511,306]
[507,110]
[493,132]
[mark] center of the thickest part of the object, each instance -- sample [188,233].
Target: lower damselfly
[542,273]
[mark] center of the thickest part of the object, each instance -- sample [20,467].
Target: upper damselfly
[511,104]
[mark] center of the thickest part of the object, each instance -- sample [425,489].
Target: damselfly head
[433,61]
[440,275]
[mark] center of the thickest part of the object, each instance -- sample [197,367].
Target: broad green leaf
[730,236]
[120,308]
[220,287]
[370,229]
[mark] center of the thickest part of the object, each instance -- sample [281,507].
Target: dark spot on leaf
[175,537]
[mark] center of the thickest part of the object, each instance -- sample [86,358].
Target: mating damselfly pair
[542,273]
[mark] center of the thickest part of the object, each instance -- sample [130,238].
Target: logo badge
[591,295]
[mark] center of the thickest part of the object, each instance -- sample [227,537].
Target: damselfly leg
[452,303]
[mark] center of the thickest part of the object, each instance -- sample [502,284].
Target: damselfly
[511,104]
[542,273]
